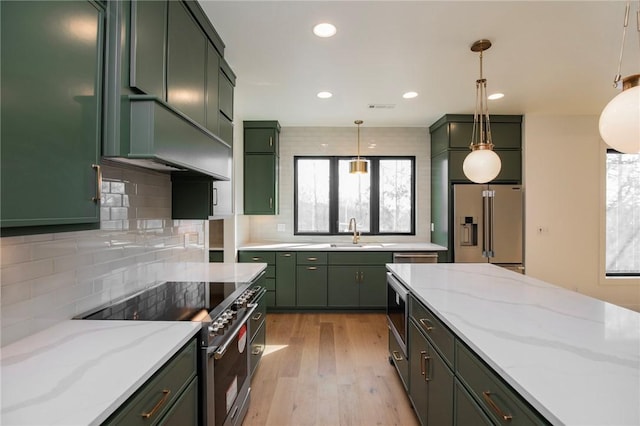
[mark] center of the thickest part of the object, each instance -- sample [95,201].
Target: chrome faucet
[353,227]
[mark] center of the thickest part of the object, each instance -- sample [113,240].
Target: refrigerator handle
[487,213]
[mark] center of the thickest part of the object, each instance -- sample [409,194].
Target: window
[623,214]
[327,196]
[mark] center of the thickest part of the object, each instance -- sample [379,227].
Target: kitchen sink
[347,245]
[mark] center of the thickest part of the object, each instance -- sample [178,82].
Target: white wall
[564,179]
[413,141]
[49,278]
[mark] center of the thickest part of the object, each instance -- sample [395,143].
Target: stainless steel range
[225,310]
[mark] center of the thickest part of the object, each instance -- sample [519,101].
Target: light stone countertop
[344,246]
[78,372]
[576,359]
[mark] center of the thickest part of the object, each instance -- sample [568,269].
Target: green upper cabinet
[261,140]
[52,78]
[212,93]
[227,80]
[186,63]
[148,47]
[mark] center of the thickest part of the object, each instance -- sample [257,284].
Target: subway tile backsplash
[50,278]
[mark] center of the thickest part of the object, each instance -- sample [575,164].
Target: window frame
[334,185]
[606,273]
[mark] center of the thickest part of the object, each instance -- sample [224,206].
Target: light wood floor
[327,369]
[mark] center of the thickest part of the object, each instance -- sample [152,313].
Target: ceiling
[548,57]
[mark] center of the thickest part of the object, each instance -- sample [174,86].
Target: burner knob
[215,330]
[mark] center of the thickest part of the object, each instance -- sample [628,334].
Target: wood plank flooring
[327,369]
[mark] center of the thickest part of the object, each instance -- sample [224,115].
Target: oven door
[228,376]
[397,311]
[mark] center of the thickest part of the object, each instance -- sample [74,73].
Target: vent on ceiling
[382,106]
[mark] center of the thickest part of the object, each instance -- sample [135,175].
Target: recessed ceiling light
[495,96]
[324,95]
[410,95]
[324,30]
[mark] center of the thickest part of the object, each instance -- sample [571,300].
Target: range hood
[156,136]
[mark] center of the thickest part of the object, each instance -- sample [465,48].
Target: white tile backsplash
[49,278]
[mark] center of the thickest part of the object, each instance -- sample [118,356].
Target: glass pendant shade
[620,121]
[481,165]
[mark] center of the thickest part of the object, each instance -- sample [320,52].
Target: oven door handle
[219,351]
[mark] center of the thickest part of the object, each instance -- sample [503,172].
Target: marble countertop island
[78,372]
[574,358]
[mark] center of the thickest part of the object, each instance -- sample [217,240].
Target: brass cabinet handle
[426,324]
[257,350]
[491,403]
[396,356]
[255,259]
[312,259]
[311,268]
[286,255]
[98,195]
[270,202]
[361,277]
[423,356]
[257,317]
[270,140]
[426,368]
[357,277]
[165,395]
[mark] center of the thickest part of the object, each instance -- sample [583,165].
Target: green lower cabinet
[185,411]
[430,381]
[311,286]
[467,411]
[285,279]
[357,286]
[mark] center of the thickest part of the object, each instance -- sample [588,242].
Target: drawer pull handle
[490,402]
[426,324]
[396,356]
[286,255]
[312,259]
[257,350]
[255,259]
[426,368]
[257,317]
[311,268]
[423,358]
[165,396]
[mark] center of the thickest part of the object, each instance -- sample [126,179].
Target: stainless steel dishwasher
[415,257]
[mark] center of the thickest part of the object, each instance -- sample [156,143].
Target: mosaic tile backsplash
[50,278]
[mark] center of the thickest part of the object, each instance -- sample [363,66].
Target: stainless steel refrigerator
[488,224]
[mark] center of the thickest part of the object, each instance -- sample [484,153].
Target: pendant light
[482,164]
[620,119]
[357,165]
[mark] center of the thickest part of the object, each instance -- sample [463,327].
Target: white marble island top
[78,372]
[574,358]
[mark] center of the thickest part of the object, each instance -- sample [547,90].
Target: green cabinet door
[260,171]
[286,279]
[191,196]
[225,86]
[212,93]
[373,287]
[148,49]
[311,286]
[186,63]
[430,381]
[343,286]
[51,85]
[260,140]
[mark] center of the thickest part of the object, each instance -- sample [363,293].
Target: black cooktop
[171,301]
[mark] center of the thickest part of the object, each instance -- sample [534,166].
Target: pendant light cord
[618,76]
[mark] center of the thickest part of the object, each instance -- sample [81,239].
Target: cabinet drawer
[349,258]
[258,317]
[157,396]
[467,411]
[497,399]
[312,257]
[258,256]
[432,327]
[185,411]
[397,358]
